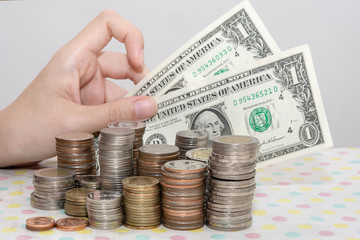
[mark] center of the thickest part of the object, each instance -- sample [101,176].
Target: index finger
[96,35]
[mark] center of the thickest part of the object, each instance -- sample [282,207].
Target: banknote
[234,40]
[277,101]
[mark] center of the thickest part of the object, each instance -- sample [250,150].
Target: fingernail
[141,57]
[145,108]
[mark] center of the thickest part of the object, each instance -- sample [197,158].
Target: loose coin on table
[232,182]
[71,224]
[40,223]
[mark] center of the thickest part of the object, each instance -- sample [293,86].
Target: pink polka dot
[177,237]
[305,174]
[342,152]
[271,165]
[23,237]
[303,206]
[326,233]
[101,238]
[253,235]
[324,194]
[284,183]
[29,187]
[324,164]
[1,199]
[345,183]
[351,219]
[28,211]
[279,219]
[2,178]
[260,195]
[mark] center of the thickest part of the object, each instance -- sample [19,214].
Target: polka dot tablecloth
[316,196]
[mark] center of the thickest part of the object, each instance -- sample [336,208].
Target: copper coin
[71,224]
[40,223]
[75,136]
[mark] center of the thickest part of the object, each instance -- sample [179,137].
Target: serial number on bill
[256,95]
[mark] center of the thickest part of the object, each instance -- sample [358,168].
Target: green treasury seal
[260,119]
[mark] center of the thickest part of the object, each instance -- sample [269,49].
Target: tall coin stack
[104,209]
[115,156]
[139,128]
[75,201]
[183,188]
[190,139]
[232,182]
[76,151]
[142,202]
[153,156]
[50,185]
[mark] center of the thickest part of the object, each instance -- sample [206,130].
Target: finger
[113,91]
[136,108]
[116,65]
[96,35]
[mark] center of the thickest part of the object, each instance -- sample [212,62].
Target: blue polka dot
[3,188]
[336,173]
[62,211]
[317,183]
[28,199]
[218,236]
[356,193]
[1,212]
[66,238]
[277,173]
[142,237]
[317,154]
[258,184]
[354,161]
[339,205]
[272,205]
[295,193]
[292,234]
[299,164]
[317,219]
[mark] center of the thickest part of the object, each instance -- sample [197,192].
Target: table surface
[316,196]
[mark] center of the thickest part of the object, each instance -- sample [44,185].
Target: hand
[72,94]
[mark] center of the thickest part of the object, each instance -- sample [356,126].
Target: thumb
[137,108]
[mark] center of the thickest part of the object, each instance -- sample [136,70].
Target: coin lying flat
[40,223]
[189,139]
[89,181]
[71,224]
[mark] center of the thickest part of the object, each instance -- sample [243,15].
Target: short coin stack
[89,181]
[142,202]
[104,209]
[50,185]
[190,139]
[75,201]
[76,151]
[183,188]
[139,128]
[232,182]
[153,156]
[115,156]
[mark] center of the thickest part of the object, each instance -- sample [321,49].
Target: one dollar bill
[277,101]
[236,39]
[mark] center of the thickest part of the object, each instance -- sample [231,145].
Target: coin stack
[89,181]
[139,128]
[75,201]
[190,139]
[104,209]
[115,155]
[50,185]
[153,156]
[232,182]
[201,155]
[142,202]
[76,151]
[183,188]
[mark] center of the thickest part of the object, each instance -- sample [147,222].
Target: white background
[31,31]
